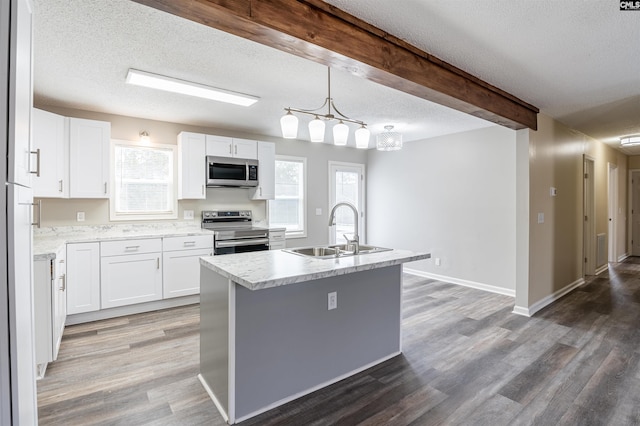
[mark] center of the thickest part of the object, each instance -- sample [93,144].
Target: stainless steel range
[234,231]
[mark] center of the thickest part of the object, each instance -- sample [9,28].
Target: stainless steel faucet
[332,219]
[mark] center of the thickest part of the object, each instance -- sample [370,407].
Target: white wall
[453,196]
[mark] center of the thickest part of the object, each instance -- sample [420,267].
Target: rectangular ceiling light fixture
[160,82]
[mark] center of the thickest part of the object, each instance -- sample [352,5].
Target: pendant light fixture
[389,140]
[289,123]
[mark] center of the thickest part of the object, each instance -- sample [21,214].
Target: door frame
[589,213]
[332,165]
[630,212]
[612,211]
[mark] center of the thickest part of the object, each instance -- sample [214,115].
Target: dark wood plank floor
[467,360]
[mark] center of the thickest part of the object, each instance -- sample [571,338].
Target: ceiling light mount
[630,140]
[389,140]
[289,122]
[144,137]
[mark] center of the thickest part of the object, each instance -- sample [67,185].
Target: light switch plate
[188,214]
[318,212]
[80,216]
[540,217]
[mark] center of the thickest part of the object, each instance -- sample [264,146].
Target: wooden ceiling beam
[322,33]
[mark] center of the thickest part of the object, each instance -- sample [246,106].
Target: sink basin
[364,249]
[317,252]
[339,250]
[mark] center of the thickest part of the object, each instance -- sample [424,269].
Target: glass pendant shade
[289,126]
[389,141]
[362,138]
[316,130]
[340,134]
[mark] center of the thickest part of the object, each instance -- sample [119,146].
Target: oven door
[240,246]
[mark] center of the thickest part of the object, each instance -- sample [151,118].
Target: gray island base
[267,336]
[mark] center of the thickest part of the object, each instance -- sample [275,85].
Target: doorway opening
[612,197]
[634,213]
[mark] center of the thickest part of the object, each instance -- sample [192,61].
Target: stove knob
[214,214]
[206,214]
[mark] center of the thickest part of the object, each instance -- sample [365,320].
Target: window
[143,184]
[288,209]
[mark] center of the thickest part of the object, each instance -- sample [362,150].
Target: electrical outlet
[540,217]
[437,261]
[318,212]
[80,216]
[188,215]
[332,300]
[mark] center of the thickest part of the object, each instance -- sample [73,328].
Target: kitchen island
[268,336]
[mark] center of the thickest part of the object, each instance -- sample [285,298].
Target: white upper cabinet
[50,136]
[266,189]
[89,158]
[191,166]
[222,146]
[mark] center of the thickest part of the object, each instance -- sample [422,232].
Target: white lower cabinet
[83,277]
[131,272]
[50,310]
[181,264]
[277,239]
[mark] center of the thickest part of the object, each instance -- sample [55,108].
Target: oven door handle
[222,244]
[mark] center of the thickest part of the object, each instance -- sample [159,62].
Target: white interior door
[346,183]
[613,212]
[635,213]
[589,231]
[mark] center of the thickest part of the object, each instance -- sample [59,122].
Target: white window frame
[116,216]
[299,233]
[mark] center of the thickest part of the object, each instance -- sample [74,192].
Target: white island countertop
[273,268]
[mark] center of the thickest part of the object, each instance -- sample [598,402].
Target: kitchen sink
[338,250]
[317,252]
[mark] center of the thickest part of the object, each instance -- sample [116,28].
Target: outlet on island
[332,300]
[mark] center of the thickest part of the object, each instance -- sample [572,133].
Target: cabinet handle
[189,243]
[63,287]
[39,204]
[261,191]
[236,149]
[37,172]
[60,185]
[105,187]
[157,263]
[132,247]
[202,189]
[230,153]
[61,261]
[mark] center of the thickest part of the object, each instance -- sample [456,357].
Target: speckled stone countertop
[265,269]
[47,241]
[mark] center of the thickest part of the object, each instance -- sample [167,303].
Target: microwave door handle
[246,165]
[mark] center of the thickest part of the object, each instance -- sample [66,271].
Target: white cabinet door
[220,146]
[245,148]
[89,158]
[51,138]
[191,166]
[43,327]
[59,300]
[83,278]
[266,189]
[130,279]
[181,272]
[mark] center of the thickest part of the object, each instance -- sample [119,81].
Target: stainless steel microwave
[226,171]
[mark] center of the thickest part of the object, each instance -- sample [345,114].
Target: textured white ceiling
[83,49]
[577,61]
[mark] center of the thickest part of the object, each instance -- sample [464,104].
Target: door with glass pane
[346,183]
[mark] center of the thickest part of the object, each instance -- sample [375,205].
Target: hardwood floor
[466,360]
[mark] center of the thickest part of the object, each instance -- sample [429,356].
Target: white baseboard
[465,283]
[531,310]
[622,257]
[602,269]
[138,308]
[219,406]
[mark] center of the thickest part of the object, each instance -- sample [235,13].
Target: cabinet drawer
[276,236]
[277,245]
[188,242]
[117,248]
